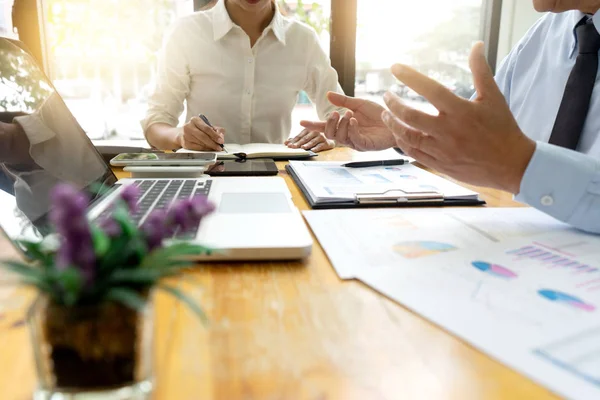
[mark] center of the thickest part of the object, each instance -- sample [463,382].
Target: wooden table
[296,331]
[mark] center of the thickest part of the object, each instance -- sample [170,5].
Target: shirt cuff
[556,180]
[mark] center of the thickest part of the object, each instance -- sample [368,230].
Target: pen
[207,122]
[364,164]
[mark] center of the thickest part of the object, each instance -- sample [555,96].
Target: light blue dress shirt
[560,182]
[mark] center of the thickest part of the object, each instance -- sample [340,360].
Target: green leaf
[101,241]
[36,251]
[128,297]
[22,269]
[122,217]
[29,276]
[71,281]
[179,295]
[137,276]
[173,255]
[119,252]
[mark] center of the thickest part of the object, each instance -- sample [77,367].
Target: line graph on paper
[579,354]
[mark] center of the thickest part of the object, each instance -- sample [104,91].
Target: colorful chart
[494,269]
[421,248]
[409,177]
[379,178]
[393,169]
[564,298]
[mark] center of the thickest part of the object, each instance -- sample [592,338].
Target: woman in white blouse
[242,64]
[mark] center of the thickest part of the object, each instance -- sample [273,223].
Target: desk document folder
[330,185]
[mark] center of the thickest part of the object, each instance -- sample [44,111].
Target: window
[102,59]
[434,36]
[6,27]
[104,65]
[315,13]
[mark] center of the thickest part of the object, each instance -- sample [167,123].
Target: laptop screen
[41,145]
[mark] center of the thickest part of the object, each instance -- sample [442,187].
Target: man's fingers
[438,95]
[342,129]
[340,100]
[331,128]
[424,158]
[355,140]
[410,116]
[483,78]
[314,125]
[409,136]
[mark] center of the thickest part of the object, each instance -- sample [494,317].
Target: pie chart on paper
[494,269]
[567,299]
[421,248]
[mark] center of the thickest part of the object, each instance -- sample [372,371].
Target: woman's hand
[196,135]
[310,140]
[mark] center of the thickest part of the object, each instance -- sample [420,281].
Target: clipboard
[391,198]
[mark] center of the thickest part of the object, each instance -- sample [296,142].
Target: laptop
[43,145]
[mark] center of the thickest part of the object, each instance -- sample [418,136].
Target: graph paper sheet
[533,303]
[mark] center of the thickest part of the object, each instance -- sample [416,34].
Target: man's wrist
[522,154]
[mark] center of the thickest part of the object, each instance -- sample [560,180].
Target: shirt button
[250,60]
[547,201]
[249,92]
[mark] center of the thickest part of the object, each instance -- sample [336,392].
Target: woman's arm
[172,87]
[164,136]
[321,78]
[166,103]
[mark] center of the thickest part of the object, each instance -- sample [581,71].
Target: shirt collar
[222,22]
[577,16]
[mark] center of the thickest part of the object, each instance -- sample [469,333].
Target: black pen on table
[379,163]
[207,122]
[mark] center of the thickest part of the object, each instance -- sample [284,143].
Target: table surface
[290,330]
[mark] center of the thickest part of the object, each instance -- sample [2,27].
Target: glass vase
[92,352]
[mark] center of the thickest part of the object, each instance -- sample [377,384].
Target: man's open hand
[476,142]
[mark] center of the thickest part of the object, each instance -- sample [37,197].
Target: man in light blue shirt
[547,89]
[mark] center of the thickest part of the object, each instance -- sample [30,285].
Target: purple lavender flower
[69,216]
[182,216]
[130,195]
[154,229]
[187,214]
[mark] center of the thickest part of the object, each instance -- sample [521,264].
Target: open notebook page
[255,150]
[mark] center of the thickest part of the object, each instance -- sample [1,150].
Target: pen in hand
[207,122]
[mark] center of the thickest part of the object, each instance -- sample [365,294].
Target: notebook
[258,150]
[330,185]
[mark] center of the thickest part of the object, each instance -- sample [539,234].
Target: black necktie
[578,92]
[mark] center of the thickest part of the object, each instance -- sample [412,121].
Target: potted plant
[91,326]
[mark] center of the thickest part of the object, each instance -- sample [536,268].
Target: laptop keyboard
[159,194]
